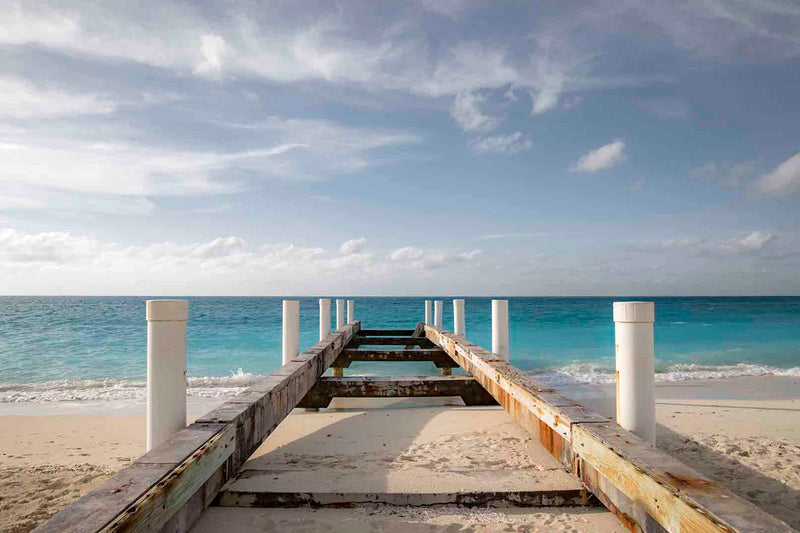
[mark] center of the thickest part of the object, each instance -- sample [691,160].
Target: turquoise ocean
[94,348]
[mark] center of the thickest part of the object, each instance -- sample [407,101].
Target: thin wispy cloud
[607,156]
[503,144]
[509,236]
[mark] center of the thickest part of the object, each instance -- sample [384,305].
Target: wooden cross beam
[326,389]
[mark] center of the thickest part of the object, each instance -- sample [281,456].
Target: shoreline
[744,433]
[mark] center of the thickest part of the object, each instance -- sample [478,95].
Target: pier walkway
[396,454]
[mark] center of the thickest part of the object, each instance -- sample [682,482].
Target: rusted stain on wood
[390,341]
[533,498]
[434,355]
[656,490]
[650,491]
[326,389]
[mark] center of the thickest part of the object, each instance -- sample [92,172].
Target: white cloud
[58,262]
[509,236]
[22,99]
[725,174]
[666,245]
[408,253]
[546,97]
[467,113]
[214,49]
[782,181]
[416,258]
[751,243]
[299,149]
[352,246]
[606,156]
[327,43]
[507,144]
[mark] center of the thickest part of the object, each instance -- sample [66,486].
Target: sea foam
[115,389]
[593,373]
[225,386]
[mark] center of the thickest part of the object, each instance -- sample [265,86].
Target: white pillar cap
[167,310]
[634,312]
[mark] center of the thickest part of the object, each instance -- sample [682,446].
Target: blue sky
[430,147]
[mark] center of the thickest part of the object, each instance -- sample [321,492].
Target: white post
[500,328]
[458,317]
[339,313]
[635,355]
[428,316]
[437,313]
[324,318]
[291,330]
[166,369]
[351,311]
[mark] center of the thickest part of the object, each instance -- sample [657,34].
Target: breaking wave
[592,373]
[115,389]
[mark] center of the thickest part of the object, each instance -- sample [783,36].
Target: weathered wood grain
[386,332]
[326,389]
[657,491]
[169,487]
[434,355]
[648,490]
[531,498]
[522,397]
[391,341]
[153,508]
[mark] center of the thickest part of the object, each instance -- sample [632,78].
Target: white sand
[371,518]
[744,433]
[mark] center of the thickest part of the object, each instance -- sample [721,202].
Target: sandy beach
[743,432]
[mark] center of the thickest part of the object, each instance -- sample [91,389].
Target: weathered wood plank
[392,341]
[326,389]
[171,485]
[386,332]
[434,355]
[516,392]
[651,486]
[153,508]
[528,498]
[650,491]
[94,510]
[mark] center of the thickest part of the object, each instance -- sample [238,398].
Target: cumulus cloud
[781,181]
[214,49]
[504,144]
[607,156]
[59,261]
[416,258]
[352,246]
[750,243]
[467,113]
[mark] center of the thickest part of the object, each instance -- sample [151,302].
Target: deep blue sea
[67,348]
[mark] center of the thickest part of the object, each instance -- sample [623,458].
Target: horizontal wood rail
[386,332]
[647,489]
[435,355]
[392,341]
[326,389]
[169,487]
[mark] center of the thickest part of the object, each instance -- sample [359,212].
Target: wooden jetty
[586,458]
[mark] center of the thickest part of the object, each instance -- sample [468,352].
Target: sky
[429,147]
